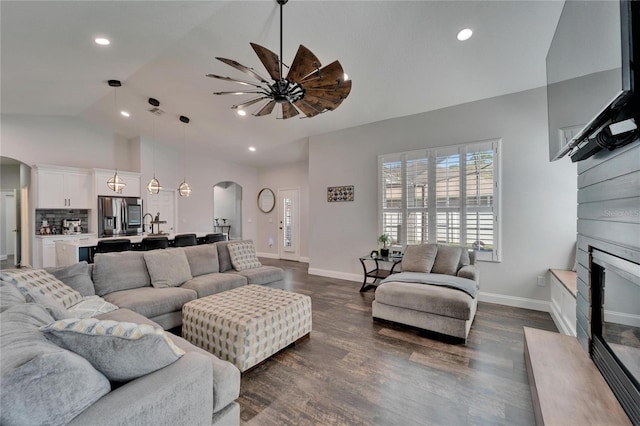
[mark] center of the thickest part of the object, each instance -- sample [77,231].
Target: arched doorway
[227,204]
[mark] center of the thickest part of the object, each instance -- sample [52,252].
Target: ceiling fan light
[184,189]
[116,184]
[153,187]
[242,112]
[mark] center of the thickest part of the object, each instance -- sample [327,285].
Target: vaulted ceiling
[402,56]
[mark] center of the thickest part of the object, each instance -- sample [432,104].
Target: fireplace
[615,325]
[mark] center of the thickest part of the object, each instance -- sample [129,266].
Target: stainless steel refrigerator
[119,216]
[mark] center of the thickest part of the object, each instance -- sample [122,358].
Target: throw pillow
[42,286]
[120,350]
[419,258]
[168,267]
[76,276]
[10,296]
[36,373]
[91,306]
[243,256]
[447,260]
[203,259]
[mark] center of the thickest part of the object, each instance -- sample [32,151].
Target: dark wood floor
[354,371]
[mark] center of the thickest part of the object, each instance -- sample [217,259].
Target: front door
[289,224]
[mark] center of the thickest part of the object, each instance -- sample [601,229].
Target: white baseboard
[335,274]
[268,255]
[277,256]
[622,318]
[516,302]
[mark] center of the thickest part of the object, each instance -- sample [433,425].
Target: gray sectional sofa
[130,279]
[46,381]
[437,290]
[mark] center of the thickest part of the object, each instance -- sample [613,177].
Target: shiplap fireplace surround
[609,222]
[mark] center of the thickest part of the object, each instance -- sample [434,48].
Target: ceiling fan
[307,88]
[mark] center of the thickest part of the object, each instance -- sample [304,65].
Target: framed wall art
[340,193]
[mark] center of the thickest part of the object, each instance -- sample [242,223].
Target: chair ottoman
[248,324]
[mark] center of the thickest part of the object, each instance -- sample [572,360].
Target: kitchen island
[71,251]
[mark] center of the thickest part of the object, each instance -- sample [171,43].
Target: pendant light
[154,187]
[115,183]
[184,189]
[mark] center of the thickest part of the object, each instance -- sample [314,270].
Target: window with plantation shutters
[447,195]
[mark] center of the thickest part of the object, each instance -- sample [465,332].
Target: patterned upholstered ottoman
[248,324]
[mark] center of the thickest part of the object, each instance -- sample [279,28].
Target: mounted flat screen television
[591,83]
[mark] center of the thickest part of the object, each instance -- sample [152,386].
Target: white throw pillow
[42,286]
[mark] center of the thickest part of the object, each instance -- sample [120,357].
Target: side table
[377,273]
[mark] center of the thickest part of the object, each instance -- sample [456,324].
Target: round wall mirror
[266,200]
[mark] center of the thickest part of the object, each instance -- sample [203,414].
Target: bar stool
[152,243]
[109,246]
[213,238]
[184,240]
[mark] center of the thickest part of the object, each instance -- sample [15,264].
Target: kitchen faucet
[143,225]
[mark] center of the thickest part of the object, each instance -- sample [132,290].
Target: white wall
[538,197]
[70,141]
[290,176]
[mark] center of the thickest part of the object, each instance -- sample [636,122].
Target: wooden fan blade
[306,108]
[343,88]
[246,92]
[328,95]
[269,60]
[244,69]
[234,80]
[288,110]
[249,102]
[266,110]
[329,74]
[303,64]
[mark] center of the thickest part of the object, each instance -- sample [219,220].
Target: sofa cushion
[203,259]
[42,286]
[447,260]
[10,296]
[263,275]
[36,373]
[224,259]
[152,302]
[426,298]
[119,271]
[120,350]
[76,276]
[206,285]
[419,257]
[167,268]
[243,256]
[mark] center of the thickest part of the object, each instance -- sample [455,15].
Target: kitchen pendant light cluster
[115,183]
[154,187]
[184,189]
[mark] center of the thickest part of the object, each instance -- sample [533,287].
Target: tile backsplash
[55,217]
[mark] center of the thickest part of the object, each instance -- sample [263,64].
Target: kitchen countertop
[83,241]
[67,236]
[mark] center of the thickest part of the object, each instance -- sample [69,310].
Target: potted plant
[384,239]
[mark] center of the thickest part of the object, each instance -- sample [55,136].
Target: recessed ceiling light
[102,41]
[125,114]
[242,112]
[464,34]
[252,148]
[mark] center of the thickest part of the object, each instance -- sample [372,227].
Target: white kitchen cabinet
[131,179]
[46,255]
[62,188]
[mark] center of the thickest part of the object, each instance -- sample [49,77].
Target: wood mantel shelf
[566,386]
